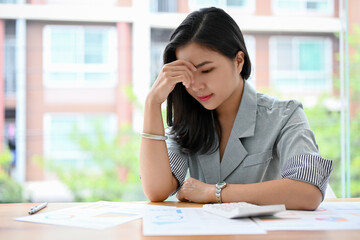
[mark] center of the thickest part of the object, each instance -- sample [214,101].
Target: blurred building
[66,62]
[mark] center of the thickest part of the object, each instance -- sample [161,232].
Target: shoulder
[275,112]
[270,105]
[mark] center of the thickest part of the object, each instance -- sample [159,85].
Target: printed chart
[98,215]
[194,221]
[329,216]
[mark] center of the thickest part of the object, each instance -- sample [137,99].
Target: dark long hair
[195,128]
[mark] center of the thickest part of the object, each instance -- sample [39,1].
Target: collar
[244,124]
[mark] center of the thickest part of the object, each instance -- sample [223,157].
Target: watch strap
[219,187]
[218,195]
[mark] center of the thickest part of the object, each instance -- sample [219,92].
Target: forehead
[195,52]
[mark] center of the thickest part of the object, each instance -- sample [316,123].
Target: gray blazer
[270,139]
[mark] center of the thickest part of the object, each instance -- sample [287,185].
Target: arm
[156,176]
[304,173]
[158,182]
[294,194]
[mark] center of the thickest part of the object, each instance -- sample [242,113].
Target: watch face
[221,184]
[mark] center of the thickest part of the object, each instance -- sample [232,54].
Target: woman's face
[217,81]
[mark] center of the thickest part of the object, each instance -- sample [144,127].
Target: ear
[239,61]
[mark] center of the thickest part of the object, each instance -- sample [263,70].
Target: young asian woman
[238,145]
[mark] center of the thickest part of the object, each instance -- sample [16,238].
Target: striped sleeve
[178,167]
[309,168]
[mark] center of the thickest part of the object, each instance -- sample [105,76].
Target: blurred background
[74,75]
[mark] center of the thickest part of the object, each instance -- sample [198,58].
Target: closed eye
[207,71]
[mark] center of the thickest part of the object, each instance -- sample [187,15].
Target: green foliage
[326,127]
[10,190]
[110,168]
[110,171]
[354,66]
[355,156]
[326,124]
[131,97]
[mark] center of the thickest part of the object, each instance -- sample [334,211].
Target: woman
[239,145]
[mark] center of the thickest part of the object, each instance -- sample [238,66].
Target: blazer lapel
[244,126]
[232,158]
[210,165]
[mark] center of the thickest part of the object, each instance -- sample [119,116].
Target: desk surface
[11,229]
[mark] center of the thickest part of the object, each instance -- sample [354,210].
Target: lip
[205,98]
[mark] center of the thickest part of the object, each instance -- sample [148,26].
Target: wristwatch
[219,186]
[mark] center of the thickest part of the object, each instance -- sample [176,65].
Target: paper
[161,220]
[329,216]
[98,215]
[194,221]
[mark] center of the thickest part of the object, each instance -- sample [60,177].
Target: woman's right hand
[171,74]
[158,182]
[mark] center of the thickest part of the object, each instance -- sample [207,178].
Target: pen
[37,208]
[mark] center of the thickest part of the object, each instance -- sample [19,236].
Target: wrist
[153,119]
[152,110]
[212,193]
[151,101]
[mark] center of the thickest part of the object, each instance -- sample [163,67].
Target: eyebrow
[202,64]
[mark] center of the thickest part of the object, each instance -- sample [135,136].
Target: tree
[326,124]
[10,190]
[111,171]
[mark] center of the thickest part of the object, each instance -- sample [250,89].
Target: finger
[182,65]
[171,79]
[179,69]
[185,81]
[186,63]
[179,196]
[182,199]
[189,75]
[175,71]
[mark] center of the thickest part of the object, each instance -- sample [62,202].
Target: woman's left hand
[194,190]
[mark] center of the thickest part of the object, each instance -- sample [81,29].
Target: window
[8,1]
[299,64]
[59,130]
[159,40]
[250,43]
[247,6]
[79,56]
[9,58]
[323,7]
[163,5]
[93,2]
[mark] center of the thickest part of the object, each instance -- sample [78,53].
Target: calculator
[242,209]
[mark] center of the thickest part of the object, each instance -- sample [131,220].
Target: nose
[198,84]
